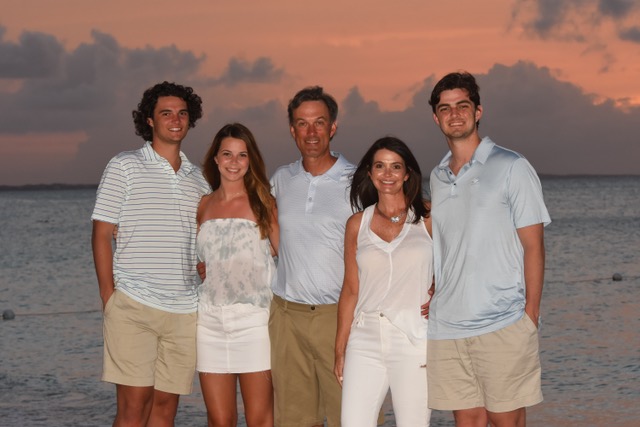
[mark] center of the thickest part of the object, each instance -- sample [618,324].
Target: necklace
[394,219]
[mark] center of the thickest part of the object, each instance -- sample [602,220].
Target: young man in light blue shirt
[488,218]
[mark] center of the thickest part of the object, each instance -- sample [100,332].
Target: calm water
[50,355]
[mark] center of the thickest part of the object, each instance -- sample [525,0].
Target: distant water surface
[51,354]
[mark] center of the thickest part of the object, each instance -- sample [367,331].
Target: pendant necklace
[394,219]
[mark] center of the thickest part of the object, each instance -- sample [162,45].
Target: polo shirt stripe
[155,210]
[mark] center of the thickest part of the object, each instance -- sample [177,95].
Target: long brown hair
[255,180]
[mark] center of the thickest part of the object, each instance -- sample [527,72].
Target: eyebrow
[169,110]
[463,101]
[300,119]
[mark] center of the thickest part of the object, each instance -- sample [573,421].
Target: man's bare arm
[532,239]
[101,239]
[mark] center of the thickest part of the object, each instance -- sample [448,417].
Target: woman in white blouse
[237,236]
[381,342]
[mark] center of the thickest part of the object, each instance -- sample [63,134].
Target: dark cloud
[241,71]
[35,55]
[548,19]
[616,8]
[572,20]
[553,123]
[94,87]
[631,34]
[89,84]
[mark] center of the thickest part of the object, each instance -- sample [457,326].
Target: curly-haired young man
[148,286]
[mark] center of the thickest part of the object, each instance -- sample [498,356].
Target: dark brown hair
[363,192]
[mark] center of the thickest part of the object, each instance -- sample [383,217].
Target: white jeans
[379,356]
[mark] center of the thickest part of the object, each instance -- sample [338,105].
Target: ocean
[51,353]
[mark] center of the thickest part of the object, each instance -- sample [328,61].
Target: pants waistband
[307,308]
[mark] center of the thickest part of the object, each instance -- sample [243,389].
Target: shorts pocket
[529,323]
[109,304]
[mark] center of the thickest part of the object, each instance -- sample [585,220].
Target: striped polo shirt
[155,210]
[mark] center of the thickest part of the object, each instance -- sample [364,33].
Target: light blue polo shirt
[478,257]
[155,210]
[312,214]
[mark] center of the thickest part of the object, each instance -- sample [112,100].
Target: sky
[559,79]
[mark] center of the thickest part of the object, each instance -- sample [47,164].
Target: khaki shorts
[499,371]
[144,346]
[302,357]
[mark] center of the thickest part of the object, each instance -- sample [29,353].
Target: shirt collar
[151,155]
[334,173]
[482,151]
[480,155]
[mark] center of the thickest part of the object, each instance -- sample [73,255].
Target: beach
[51,353]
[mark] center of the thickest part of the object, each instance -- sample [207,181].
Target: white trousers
[380,357]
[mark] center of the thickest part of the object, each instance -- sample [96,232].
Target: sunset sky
[560,80]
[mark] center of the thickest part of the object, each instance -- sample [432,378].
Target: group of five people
[342,318]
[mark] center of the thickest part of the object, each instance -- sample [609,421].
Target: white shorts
[233,339]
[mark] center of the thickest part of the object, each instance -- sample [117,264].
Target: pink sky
[387,50]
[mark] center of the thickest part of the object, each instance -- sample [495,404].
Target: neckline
[379,241]
[227,219]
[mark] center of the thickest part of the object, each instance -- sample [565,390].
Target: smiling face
[232,159]
[457,115]
[170,120]
[388,172]
[312,129]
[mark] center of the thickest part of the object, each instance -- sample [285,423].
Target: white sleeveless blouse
[395,276]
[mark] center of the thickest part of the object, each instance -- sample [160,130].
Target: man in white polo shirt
[148,286]
[488,218]
[313,208]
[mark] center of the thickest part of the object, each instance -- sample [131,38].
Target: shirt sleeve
[111,193]
[525,196]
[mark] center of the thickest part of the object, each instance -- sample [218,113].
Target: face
[232,159]
[312,129]
[170,120]
[456,114]
[388,172]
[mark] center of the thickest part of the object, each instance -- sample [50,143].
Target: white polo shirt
[155,210]
[478,257]
[312,214]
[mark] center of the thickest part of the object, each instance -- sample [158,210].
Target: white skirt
[233,339]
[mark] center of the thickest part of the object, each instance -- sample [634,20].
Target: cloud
[90,90]
[87,84]
[617,9]
[240,71]
[85,102]
[631,34]
[574,20]
[557,126]
[35,55]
